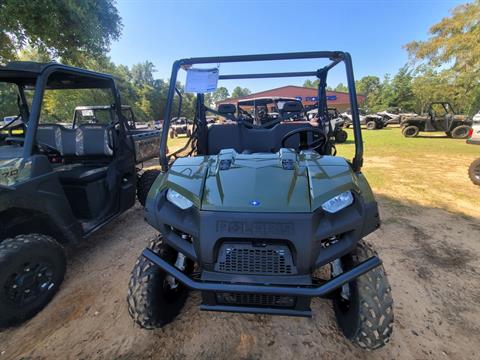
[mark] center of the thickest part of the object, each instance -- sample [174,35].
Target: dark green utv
[261,217]
[61,179]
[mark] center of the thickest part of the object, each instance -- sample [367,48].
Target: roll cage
[51,76]
[200,123]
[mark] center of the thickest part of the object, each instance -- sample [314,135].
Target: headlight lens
[339,202]
[178,199]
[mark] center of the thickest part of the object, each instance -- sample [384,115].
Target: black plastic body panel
[304,233]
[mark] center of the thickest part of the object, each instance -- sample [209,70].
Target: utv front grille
[256,260]
[257,300]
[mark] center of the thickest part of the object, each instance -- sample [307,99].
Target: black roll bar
[334,56]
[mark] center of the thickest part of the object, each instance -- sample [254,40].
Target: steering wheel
[303,132]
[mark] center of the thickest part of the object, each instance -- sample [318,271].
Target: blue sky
[372,31]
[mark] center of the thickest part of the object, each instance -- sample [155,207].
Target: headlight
[178,199]
[339,202]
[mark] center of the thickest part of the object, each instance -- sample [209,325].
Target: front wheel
[474,172]
[341,136]
[32,268]
[144,184]
[154,297]
[460,132]
[410,131]
[371,125]
[364,307]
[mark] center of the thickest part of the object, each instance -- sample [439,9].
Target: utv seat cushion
[84,141]
[94,140]
[57,137]
[81,174]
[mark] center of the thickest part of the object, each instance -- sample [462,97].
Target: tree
[311,84]
[403,95]
[453,51]
[368,85]
[239,92]
[220,94]
[142,74]
[341,88]
[61,28]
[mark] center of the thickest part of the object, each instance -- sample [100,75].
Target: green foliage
[220,94]
[8,100]
[239,92]
[311,84]
[341,88]
[450,58]
[60,28]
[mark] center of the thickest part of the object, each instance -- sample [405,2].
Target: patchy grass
[176,143]
[430,170]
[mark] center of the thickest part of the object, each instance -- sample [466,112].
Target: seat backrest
[223,136]
[227,109]
[50,134]
[93,140]
[58,137]
[86,140]
[240,138]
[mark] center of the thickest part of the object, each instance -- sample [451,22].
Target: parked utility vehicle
[180,126]
[59,183]
[267,110]
[440,117]
[393,116]
[259,208]
[334,127]
[371,121]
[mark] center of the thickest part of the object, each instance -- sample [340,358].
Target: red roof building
[308,96]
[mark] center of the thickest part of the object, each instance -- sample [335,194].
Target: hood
[260,182]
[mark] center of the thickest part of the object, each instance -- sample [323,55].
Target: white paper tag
[87,112]
[201,80]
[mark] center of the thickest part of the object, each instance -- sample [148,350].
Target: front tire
[371,125]
[460,132]
[144,184]
[410,131]
[32,268]
[474,172]
[341,136]
[364,307]
[152,303]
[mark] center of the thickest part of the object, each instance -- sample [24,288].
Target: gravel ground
[431,257]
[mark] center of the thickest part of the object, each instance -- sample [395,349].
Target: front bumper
[267,298]
[201,236]
[321,290]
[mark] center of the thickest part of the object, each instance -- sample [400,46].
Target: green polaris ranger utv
[60,180]
[261,218]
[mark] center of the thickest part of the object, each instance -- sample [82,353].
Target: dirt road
[431,256]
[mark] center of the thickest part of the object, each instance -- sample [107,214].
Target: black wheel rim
[410,132]
[29,282]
